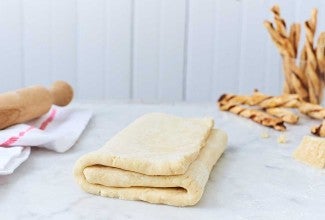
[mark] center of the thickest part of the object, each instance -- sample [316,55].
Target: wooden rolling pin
[32,102]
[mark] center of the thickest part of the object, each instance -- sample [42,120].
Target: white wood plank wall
[150,50]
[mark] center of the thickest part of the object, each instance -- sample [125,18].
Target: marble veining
[256,178]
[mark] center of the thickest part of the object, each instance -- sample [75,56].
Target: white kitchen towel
[57,130]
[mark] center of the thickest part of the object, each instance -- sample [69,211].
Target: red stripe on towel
[48,120]
[10,141]
[13,139]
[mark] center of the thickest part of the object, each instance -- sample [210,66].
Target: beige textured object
[32,102]
[311,151]
[158,158]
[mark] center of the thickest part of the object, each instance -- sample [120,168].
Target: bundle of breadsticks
[304,79]
[304,73]
[272,111]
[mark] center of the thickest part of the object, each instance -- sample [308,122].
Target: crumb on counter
[265,135]
[282,139]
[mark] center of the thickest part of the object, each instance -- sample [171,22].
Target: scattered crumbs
[265,135]
[282,139]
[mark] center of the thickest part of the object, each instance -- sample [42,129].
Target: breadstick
[285,114]
[288,49]
[303,61]
[258,116]
[294,36]
[297,78]
[312,23]
[281,29]
[314,84]
[32,102]
[277,39]
[279,42]
[282,43]
[310,31]
[320,54]
[312,110]
[265,101]
[280,23]
[259,99]
[319,130]
[227,100]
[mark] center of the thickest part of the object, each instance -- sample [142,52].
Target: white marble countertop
[255,178]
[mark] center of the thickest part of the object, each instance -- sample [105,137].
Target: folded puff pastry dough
[158,158]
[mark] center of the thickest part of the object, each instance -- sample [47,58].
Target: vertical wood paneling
[146,49]
[90,48]
[190,50]
[10,45]
[253,47]
[37,41]
[63,41]
[171,57]
[118,49]
[200,53]
[321,14]
[303,9]
[227,41]
[303,12]
[274,76]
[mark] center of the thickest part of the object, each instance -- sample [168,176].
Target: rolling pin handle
[61,93]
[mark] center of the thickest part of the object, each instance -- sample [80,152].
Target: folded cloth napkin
[57,130]
[159,158]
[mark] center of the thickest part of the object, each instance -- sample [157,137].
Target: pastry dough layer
[172,167]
